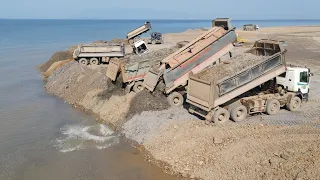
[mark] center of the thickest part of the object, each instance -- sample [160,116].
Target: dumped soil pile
[73,81]
[58,56]
[152,55]
[242,151]
[145,101]
[230,67]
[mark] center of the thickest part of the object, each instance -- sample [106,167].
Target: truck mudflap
[113,68]
[151,80]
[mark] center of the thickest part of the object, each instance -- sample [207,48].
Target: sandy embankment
[285,146]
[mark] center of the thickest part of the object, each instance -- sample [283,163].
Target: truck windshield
[304,77]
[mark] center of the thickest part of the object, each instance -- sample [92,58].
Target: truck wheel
[221,115]
[239,113]
[94,61]
[83,61]
[138,87]
[175,99]
[273,107]
[294,104]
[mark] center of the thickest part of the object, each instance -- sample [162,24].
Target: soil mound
[145,101]
[58,56]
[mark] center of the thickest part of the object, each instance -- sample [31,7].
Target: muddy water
[41,137]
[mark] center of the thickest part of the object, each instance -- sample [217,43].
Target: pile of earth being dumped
[230,67]
[152,55]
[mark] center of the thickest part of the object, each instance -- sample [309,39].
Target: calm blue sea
[32,122]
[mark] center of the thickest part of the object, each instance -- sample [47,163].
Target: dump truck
[251,90]
[131,74]
[222,22]
[250,27]
[173,71]
[156,38]
[97,53]
[138,31]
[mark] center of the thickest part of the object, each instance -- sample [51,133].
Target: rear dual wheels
[239,113]
[273,107]
[83,61]
[294,104]
[220,116]
[175,99]
[92,61]
[138,87]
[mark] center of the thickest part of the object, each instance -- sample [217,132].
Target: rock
[175,127]
[217,140]
[284,156]
[201,163]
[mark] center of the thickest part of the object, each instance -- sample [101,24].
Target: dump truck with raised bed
[222,92]
[131,74]
[138,31]
[97,53]
[172,75]
[222,22]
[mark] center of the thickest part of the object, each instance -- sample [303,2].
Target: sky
[160,9]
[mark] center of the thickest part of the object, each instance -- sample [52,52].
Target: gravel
[141,127]
[230,67]
[152,55]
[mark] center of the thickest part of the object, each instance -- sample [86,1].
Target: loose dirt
[145,101]
[156,55]
[233,151]
[230,67]
[58,56]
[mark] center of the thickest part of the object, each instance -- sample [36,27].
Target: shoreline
[160,141]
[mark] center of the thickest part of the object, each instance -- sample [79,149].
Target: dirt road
[284,146]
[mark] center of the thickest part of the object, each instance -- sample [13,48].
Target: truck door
[290,79]
[303,82]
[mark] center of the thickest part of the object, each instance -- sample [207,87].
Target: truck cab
[140,47]
[295,79]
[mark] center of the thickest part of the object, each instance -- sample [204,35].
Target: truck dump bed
[99,50]
[129,72]
[140,30]
[193,57]
[208,93]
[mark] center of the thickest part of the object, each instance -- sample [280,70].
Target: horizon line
[139,19]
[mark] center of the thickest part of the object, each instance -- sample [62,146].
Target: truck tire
[83,61]
[175,99]
[294,104]
[94,61]
[273,107]
[220,116]
[239,113]
[138,87]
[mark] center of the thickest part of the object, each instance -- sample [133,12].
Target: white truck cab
[295,79]
[140,47]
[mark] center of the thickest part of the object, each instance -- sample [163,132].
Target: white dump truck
[265,86]
[97,53]
[204,51]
